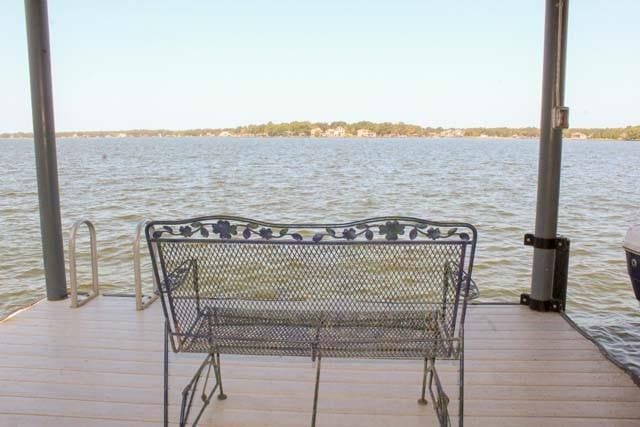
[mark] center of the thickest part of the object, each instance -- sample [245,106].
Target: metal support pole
[44,137]
[554,119]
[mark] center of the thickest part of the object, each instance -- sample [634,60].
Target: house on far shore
[338,132]
[316,132]
[224,133]
[366,133]
[578,135]
[452,133]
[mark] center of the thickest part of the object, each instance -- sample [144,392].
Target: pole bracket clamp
[543,242]
[561,117]
[538,305]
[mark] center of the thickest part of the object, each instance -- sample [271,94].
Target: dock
[101,365]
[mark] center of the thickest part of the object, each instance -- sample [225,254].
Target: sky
[194,64]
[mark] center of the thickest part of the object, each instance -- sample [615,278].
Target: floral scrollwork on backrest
[380,229]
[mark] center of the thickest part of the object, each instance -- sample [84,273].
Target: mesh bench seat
[378,334]
[391,288]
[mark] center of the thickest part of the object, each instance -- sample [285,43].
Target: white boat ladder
[142,301]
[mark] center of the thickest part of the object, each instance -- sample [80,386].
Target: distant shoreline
[347,130]
[523,138]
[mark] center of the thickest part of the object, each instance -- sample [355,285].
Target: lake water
[490,183]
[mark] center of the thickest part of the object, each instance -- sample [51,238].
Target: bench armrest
[474,292]
[177,277]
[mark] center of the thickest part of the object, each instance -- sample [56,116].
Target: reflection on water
[490,183]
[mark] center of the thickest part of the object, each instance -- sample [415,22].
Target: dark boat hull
[633,267]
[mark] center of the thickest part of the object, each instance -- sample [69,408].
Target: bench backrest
[374,267]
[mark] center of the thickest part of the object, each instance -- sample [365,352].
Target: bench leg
[422,400]
[218,373]
[166,374]
[315,395]
[439,398]
[191,389]
[461,391]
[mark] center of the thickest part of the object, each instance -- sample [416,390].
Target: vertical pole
[45,147]
[554,119]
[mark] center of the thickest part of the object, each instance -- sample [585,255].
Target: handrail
[137,276]
[95,287]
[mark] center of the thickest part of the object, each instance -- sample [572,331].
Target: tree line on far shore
[344,129]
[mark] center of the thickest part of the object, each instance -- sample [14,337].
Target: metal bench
[390,287]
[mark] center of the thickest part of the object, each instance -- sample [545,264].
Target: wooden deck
[101,365]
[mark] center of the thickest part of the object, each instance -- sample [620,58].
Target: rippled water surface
[490,183]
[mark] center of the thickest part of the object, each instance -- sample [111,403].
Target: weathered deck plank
[102,365]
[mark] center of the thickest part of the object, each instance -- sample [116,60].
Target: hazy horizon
[162,65]
[433,126]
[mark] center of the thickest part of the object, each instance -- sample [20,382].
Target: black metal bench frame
[387,287]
